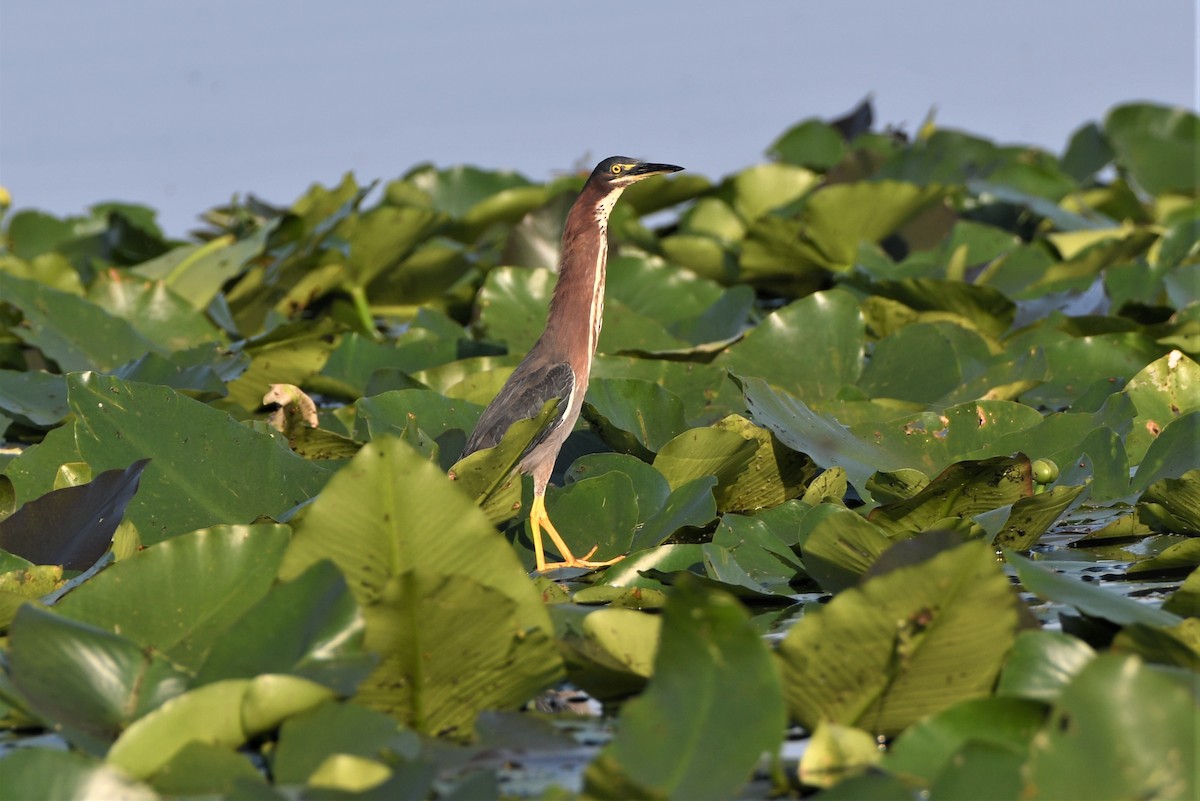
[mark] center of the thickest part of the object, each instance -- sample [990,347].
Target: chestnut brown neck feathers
[577,308]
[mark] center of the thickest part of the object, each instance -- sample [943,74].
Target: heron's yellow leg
[538,519]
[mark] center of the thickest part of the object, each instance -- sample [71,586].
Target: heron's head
[621,171]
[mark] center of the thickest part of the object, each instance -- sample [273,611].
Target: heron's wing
[521,398]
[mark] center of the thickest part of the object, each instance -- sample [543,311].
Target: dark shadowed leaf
[72,526]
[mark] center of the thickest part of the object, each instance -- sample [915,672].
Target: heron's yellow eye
[616,169]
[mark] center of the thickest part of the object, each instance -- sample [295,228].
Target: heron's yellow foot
[538,519]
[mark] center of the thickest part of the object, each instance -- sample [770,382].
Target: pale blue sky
[181,104]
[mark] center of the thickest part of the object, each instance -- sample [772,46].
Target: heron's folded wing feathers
[522,399]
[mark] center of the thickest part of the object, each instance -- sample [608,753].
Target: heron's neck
[577,308]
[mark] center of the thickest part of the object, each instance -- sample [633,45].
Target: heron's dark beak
[646,170]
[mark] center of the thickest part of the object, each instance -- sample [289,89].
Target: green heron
[559,363]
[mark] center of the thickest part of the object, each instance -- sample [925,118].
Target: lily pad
[853,663]
[411,587]
[711,666]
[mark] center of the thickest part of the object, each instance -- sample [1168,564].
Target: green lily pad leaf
[196,273]
[1171,505]
[201,381]
[829,485]
[614,654]
[1052,586]
[774,474]
[928,442]
[897,485]
[902,644]
[702,452]
[1177,647]
[91,683]
[1033,516]
[1182,556]
[287,355]
[1185,601]
[626,331]
[75,333]
[215,714]
[841,547]
[836,753]
[980,769]
[212,576]
[270,699]
[707,392]
[649,485]
[456,190]
[923,362]
[962,490]
[392,412]
[598,511]
[1075,363]
[309,627]
[382,237]
[1142,719]
[66,776]
[628,573]
[925,749]
[1156,144]
[820,436]
[656,194]
[1041,663]
[841,216]
[724,571]
[512,305]
[722,322]
[438,669]
[155,311]
[824,337]
[658,290]
[634,416]
[73,526]
[352,774]
[1163,391]
[308,739]
[199,768]
[34,397]
[812,143]
[984,308]
[759,189]
[689,505]
[201,461]
[1171,455]
[352,364]
[712,674]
